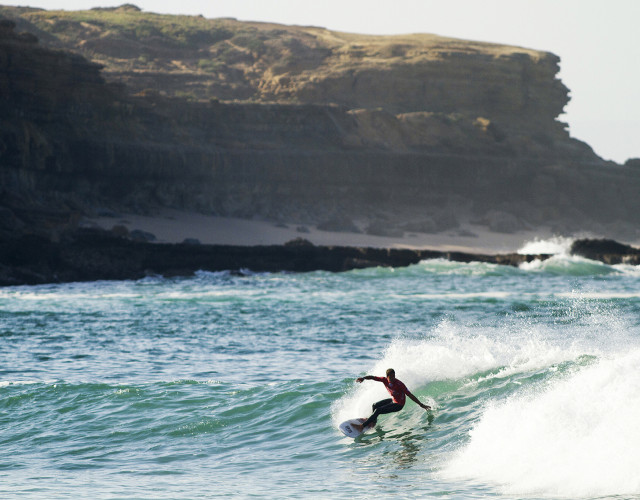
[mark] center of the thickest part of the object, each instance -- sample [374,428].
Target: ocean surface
[233,384]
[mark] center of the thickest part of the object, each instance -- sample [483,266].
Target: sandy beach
[174,226]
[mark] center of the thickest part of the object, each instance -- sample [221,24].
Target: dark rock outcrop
[92,254]
[608,251]
[99,255]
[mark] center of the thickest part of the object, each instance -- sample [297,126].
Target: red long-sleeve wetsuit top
[397,389]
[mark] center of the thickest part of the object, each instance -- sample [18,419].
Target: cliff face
[386,128]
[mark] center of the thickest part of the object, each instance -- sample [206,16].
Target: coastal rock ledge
[98,255]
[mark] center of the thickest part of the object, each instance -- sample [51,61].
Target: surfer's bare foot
[358,427]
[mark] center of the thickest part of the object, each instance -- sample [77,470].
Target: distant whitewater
[228,385]
[554,246]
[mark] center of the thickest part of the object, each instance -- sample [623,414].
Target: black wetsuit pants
[380,408]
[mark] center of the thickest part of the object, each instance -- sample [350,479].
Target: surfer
[395,403]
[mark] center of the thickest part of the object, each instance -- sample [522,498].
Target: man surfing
[395,403]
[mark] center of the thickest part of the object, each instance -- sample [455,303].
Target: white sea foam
[7,383]
[557,245]
[601,295]
[575,437]
[627,269]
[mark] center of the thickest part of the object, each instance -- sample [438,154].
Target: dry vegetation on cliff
[228,59]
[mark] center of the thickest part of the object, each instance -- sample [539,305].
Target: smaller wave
[212,275]
[448,267]
[563,263]
[570,265]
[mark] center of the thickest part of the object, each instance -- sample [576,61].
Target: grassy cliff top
[127,22]
[228,59]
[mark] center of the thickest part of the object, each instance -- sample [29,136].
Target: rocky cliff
[131,110]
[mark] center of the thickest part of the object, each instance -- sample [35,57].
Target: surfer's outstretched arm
[418,402]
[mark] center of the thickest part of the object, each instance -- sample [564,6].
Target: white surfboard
[349,430]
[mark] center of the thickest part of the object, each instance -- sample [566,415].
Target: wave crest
[575,437]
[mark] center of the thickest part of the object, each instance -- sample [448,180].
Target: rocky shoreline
[92,255]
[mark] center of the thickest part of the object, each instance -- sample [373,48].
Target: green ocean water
[232,385]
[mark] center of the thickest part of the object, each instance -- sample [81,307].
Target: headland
[255,134]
